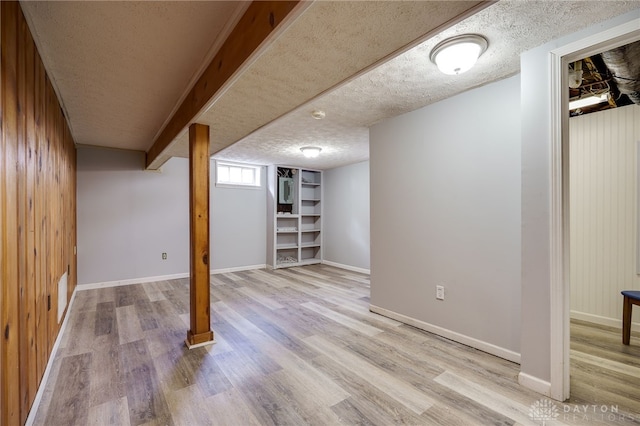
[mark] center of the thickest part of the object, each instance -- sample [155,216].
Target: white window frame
[255,169]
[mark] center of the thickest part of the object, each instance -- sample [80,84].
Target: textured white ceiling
[121,67]
[329,43]
[410,81]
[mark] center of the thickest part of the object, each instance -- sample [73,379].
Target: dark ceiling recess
[615,72]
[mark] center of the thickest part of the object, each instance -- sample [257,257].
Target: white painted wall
[346,216]
[127,217]
[603,195]
[238,225]
[537,128]
[445,209]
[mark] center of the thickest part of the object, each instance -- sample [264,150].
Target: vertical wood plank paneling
[603,213]
[21,204]
[29,114]
[2,221]
[37,215]
[40,287]
[10,322]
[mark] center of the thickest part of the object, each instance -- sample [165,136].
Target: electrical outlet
[440,292]
[164,256]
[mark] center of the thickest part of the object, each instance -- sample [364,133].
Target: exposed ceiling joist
[255,28]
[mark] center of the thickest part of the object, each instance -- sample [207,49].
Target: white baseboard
[162,278]
[535,384]
[47,371]
[237,269]
[118,283]
[347,267]
[489,348]
[597,319]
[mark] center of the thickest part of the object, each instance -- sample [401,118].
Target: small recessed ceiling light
[458,54]
[318,114]
[311,151]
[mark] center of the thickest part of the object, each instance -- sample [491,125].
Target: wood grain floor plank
[127,295]
[106,387]
[270,403]
[82,327]
[110,413]
[619,367]
[181,367]
[402,392]
[368,400]
[146,316]
[70,406]
[144,395]
[299,347]
[105,318]
[344,320]
[154,291]
[269,277]
[350,415]
[491,399]
[183,402]
[178,301]
[307,380]
[260,298]
[129,329]
[230,408]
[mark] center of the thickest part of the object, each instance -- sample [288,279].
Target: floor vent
[62,295]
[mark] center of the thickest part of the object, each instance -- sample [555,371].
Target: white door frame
[560,282]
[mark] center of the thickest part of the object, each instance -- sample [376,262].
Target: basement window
[233,174]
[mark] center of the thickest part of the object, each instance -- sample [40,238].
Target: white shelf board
[286,246]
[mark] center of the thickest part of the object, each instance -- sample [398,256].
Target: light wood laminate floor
[298,346]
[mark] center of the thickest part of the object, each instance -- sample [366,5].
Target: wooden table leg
[626,321]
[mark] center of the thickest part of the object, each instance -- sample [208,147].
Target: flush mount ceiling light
[458,54]
[318,114]
[310,151]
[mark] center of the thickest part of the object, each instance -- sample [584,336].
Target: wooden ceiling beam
[256,25]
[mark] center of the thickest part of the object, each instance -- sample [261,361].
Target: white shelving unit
[295,216]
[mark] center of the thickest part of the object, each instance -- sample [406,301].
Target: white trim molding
[237,269]
[600,320]
[118,283]
[347,267]
[487,347]
[535,384]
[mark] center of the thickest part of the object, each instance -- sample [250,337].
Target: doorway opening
[561,59]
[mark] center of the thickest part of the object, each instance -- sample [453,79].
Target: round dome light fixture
[458,54]
[318,114]
[310,151]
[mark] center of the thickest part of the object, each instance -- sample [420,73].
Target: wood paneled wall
[37,215]
[603,194]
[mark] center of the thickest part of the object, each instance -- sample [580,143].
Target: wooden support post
[200,332]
